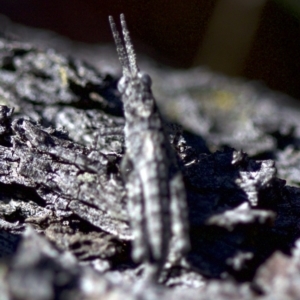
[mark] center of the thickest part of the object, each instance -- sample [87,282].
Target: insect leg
[135,207]
[179,220]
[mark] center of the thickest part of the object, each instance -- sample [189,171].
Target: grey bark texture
[65,228]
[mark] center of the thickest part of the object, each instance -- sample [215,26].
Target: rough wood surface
[65,230]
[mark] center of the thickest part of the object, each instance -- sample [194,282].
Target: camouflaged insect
[155,189]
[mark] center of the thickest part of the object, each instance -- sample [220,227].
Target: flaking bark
[63,205]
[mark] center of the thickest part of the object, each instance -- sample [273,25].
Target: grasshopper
[156,194]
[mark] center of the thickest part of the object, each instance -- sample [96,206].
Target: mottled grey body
[155,189]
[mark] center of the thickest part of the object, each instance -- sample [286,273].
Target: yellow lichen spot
[86,177]
[63,76]
[224,100]
[3,101]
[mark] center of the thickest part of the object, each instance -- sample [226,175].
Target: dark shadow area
[226,239]
[8,244]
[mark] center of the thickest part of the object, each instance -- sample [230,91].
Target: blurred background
[255,39]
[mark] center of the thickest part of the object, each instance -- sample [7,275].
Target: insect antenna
[129,47]
[122,53]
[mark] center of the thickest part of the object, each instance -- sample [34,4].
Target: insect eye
[146,79]
[122,84]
